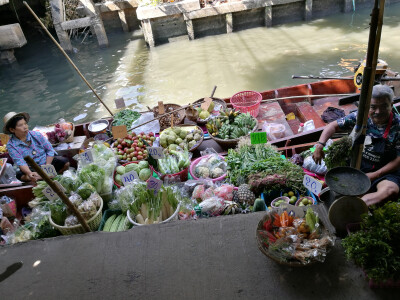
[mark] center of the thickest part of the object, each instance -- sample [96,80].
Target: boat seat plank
[272,113]
[306,112]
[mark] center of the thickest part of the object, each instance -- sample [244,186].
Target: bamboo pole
[57,190]
[67,57]
[368,82]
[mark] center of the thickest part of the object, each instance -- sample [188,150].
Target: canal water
[45,85]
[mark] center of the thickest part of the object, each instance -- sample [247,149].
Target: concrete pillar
[148,32]
[308,10]
[348,6]
[124,22]
[229,23]
[97,23]
[7,56]
[268,16]
[190,30]
[57,14]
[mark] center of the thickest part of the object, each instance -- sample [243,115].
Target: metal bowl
[347,181]
[99,126]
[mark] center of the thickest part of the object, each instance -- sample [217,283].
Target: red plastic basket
[247,102]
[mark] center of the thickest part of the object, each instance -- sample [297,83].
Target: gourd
[259,205]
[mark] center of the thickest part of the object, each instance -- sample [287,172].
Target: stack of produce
[205,114]
[288,239]
[60,133]
[210,166]
[174,162]
[116,223]
[125,117]
[3,149]
[173,137]
[337,154]
[133,147]
[86,200]
[231,124]
[142,169]
[376,247]
[146,206]
[263,168]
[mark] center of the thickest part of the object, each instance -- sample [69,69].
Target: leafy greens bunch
[264,160]
[376,247]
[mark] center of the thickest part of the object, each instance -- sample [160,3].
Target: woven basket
[264,249]
[216,100]
[233,142]
[93,224]
[165,122]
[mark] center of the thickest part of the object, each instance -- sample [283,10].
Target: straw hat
[7,118]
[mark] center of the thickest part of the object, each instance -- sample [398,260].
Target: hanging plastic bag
[274,130]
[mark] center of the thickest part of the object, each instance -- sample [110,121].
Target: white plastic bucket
[172,217]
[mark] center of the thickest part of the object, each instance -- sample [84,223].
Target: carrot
[268,225]
[277,221]
[284,219]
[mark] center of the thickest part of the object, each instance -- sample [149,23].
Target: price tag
[156,152]
[87,157]
[119,103]
[154,184]
[49,170]
[312,184]
[119,131]
[258,137]
[206,104]
[129,177]
[50,194]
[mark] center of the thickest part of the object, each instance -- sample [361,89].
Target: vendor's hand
[318,154]
[372,176]
[34,176]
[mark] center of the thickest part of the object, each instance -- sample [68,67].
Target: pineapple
[245,195]
[235,196]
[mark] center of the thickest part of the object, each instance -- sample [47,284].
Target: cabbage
[85,190]
[93,175]
[58,212]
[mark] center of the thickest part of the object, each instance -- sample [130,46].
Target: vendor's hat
[8,117]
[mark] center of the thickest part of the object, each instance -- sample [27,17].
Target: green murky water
[45,85]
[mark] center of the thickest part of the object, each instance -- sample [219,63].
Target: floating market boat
[304,102]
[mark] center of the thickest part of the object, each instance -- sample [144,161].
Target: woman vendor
[381,155]
[29,143]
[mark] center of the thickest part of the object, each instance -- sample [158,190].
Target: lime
[290,194]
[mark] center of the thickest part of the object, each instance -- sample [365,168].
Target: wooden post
[268,16]
[308,10]
[190,30]
[57,14]
[368,82]
[124,22]
[148,32]
[229,23]
[60,194]
[97,22]
[348,6]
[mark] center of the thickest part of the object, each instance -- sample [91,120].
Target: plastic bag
[39,223]
[211,165]
[9,176]
[147,128]
[310,165]
[212,206]
[71,220]
[225,192]
[75,199]
[8,206]
[274,130]
[87,209]
[96,199]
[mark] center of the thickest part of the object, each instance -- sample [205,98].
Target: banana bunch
[225,131]
[213,126]
[237,132]
[3,149]
[229,114]
[245,120]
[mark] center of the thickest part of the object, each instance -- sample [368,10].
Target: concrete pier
[11,37]
[215,258]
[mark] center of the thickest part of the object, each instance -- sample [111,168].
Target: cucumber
[115,224]
[122,224]
[109,222]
